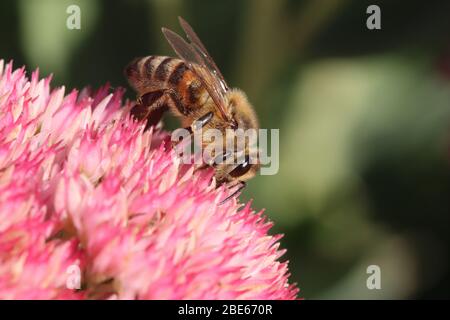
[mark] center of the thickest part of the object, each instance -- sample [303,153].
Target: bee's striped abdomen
[177,74]
[184,90]
[163,69]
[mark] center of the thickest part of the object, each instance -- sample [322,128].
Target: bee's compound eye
[241,169]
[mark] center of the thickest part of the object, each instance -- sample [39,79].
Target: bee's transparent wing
[197,63]
[197,43]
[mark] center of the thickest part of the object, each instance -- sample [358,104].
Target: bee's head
[243,171]
[242,117]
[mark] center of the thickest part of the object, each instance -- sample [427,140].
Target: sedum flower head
[94,207]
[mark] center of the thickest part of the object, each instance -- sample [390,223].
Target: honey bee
[193,88]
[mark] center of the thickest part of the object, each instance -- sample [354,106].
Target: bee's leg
[148,107]
[196,125]
[155,115]
[220,158]
[240,185]
[202,121]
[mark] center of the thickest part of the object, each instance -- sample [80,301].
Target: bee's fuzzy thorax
[242,109]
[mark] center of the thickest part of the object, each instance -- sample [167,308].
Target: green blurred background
[364,118]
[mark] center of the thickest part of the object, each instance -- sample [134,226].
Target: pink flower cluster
[93,207]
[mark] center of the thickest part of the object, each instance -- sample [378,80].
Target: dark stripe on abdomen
[147,68]
[131,70]
[178,103]
[177,74]
[162,71]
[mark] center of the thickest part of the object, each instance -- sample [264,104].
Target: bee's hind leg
[148,108]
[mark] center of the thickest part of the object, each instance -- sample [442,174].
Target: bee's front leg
[219,159]
[239,185]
